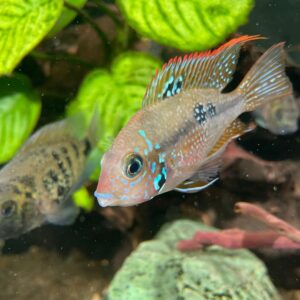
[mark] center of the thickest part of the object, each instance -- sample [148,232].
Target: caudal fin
[266,80]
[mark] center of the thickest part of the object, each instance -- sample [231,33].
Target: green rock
[157,271]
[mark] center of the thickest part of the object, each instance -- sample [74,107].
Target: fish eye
[133,165]
[8,208]
[279,114]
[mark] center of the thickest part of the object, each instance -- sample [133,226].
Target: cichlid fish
[177,139]
[36,185]
[279,116]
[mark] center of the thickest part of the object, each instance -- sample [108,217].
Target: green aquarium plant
[117,93]
[23,24]
[67,15]
[20,108]
[186,25]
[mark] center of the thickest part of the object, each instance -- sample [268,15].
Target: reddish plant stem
[281,236]
[236,239]
[281,227]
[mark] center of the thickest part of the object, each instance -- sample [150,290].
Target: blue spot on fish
[146,152]
[103,195]
[164,172]
[156,182]
[153,167]
[124,181]
[161,157]
[157,146]
[143,134]
[172,87]
[136,149]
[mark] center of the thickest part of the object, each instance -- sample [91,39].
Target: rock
[157,271]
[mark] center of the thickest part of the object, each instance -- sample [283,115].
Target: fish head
[16,215]
[133,170]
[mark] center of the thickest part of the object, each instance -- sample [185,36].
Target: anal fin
[65,214]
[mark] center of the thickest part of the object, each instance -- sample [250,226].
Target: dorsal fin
[209,69]
[72,127]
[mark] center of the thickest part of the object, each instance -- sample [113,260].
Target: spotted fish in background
[35,186]
[177,138]
[279,116]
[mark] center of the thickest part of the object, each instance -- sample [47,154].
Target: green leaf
[23,24]
[83,199]
[19,111]
[66,17]
[118,94]
[187,25]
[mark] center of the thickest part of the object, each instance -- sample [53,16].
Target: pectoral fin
[64,215]
[209,170]
[236,129]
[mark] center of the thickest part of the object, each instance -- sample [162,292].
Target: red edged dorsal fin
[209,69]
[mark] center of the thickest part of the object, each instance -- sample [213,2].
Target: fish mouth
[104,199]
[107,199]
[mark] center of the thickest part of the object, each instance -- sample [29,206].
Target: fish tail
[266,80]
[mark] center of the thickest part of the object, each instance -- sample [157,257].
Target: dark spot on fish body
[211,110]
[162,181]
[61,193]
[65,152]
[28,195]
[60,190]
[172,87]
[27,181]
[75,148]
[161,178]
[200,114]
[55,186]
[57,159]
[87,147]
[66,172]
[47,184]
[52,175]
[16,190]
[50,180]
[8,208]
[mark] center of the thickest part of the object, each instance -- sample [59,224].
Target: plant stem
[61,57]
[108,12]
[89,20]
